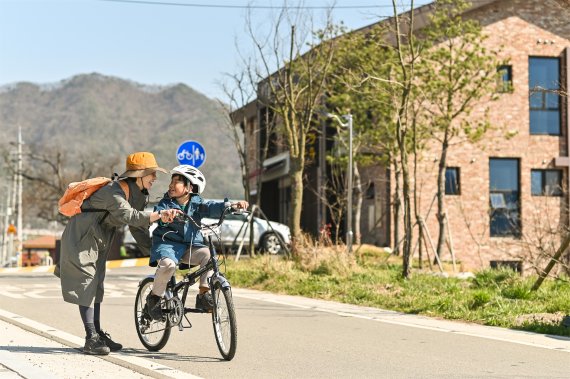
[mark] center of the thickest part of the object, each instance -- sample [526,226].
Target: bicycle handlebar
[227,207]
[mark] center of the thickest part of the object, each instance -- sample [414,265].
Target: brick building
[504,194]
[508,193]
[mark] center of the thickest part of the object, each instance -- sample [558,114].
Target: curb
[124,358]
[134,262]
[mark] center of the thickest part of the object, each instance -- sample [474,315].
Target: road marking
[133,262]
[558,343]
[39,291]
[137,364]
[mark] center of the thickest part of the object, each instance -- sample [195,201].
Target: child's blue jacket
[173,240]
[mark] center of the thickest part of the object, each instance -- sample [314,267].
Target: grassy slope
[493,297]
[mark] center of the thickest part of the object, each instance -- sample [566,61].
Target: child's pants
[166,267]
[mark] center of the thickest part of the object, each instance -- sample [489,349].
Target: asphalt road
[280,339]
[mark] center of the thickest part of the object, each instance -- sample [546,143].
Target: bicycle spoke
[153,334]
[223,318]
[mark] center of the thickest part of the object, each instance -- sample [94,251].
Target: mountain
[99,118]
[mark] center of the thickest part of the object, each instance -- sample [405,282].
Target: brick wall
[519,28]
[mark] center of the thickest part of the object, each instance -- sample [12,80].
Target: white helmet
[193,174]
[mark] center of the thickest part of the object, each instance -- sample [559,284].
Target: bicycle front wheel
[153,334]
[224,320]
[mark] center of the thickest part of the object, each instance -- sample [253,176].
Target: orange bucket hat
[141,164]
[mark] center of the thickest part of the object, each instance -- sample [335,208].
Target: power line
[197,5]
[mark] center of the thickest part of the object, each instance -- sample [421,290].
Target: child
[174,242]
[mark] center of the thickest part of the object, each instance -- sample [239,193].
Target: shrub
[488,277]
[312,257]
[480,298]
[517,290]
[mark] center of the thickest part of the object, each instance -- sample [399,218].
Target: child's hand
[240,205]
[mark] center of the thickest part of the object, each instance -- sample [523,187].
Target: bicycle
[155,334]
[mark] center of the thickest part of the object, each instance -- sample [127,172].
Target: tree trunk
[397,210]
[358,205]
[408,230]
[441,219]
[417,209]
[296,176]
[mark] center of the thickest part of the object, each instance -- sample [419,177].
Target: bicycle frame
[191,278]
[174,307]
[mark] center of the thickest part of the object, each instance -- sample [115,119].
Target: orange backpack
[76,193]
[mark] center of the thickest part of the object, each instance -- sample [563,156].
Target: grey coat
[86,241]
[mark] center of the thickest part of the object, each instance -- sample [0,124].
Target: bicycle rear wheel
[224,320]
[153,334]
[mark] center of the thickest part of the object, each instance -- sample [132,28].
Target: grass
[493,297]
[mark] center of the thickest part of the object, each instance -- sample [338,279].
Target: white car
[265,234]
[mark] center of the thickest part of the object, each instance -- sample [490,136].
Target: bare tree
[47,175]
[291,83]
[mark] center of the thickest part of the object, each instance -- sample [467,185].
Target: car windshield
[239,217]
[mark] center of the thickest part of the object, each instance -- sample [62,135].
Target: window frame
[547,89]
[505,86]
[504,210]
[458,184]
[543,173]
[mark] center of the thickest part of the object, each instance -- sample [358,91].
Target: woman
[87,238]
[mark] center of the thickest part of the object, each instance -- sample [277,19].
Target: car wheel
[270,244]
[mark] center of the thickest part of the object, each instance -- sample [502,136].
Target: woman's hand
[165,215]
[168,215]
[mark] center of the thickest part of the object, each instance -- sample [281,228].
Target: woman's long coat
[87,238]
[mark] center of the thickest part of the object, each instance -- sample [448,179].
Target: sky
[153,42]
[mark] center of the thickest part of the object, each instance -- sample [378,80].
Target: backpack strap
[125,187]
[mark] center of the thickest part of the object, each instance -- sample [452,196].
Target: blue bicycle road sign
[191,153]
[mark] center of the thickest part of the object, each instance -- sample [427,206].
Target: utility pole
[7,214]
[19,224]
[13,201]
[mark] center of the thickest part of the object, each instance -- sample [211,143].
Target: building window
[505,78]
[452,181]
[504,194]
[546,182]
[544,98]
[370,191]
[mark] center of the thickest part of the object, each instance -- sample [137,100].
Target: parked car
[265,233]
[265,237]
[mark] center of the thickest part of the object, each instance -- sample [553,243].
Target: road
[286,337]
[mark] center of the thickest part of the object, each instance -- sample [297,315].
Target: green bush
[480,298]
[517,291]
[489,277]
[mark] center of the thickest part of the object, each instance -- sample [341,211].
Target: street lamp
[348,123]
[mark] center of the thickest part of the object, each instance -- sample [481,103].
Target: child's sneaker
[205,301]
[153,306]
